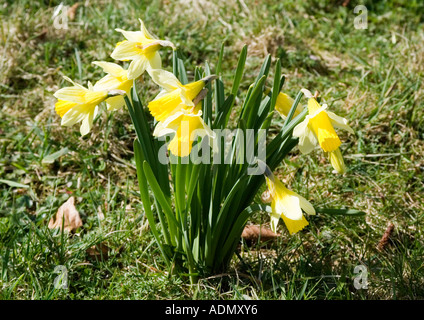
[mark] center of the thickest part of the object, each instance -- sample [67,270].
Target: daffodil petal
[275,218]
[73,94]
[73,82]
[133,36]
[307,139]
[108,82]
[339,122]
[305,205]
[126,50]
[86,124]
[115,103]
[289,206]
[156,61]
[74,115]
[146,33]
[165,79]
[137,67]
[111,68]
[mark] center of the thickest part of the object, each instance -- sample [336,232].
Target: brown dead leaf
[385,239]
[69,214]
[252,234]
[73,10]
[98,251]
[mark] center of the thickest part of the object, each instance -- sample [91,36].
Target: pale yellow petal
[307,139]
[339,122]
[133,36]
[137,67]
[73,94]
[146,33]
[165,79]
[111,68]
[126,50]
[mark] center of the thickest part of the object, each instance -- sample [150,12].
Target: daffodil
[116,78]
[187,126]
[142,48]
[80,104]
[318,129]
[287,205]
[175,96]
[283,105]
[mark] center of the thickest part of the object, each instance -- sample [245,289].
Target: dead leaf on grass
[68,216]
[254,233]
[73,10]
[98,251]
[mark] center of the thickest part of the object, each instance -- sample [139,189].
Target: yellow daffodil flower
[318,129]
[286,204]
[142,48]
[80,104]
[175,96]
[187,126]
[116,78]
[283,105]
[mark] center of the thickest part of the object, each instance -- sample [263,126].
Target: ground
[372,77]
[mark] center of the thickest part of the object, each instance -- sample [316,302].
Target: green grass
[372,77]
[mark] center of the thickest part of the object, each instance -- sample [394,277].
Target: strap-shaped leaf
[344,212]
[161,199]
[144,195]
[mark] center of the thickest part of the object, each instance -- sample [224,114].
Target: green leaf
[160,197]
[13,184]
[276,88]
[344,212]
[239,71]
[144,195]
[53,156]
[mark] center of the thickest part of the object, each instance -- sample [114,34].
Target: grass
[373,77]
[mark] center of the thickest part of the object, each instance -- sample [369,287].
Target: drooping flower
[142,48]
[283,105]
[80,104]
[175,96]
[177,109]
[116,78]
[318,129]
[287,205]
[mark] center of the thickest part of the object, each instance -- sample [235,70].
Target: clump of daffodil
[283,105]
[287,205]
[142,48]
[80,104]
[318,129]
[177,109]
[116,78]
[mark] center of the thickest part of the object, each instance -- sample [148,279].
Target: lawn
[372,77]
